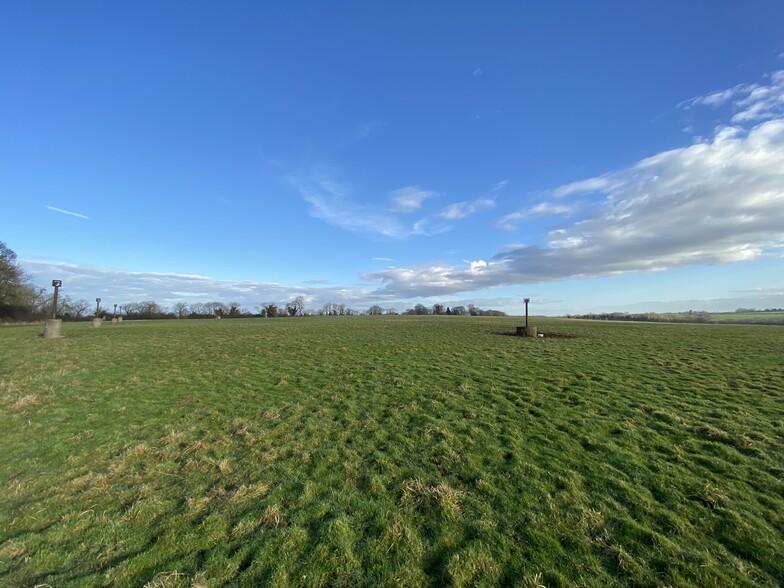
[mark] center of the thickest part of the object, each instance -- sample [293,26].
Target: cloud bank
[714,202]
[166,288]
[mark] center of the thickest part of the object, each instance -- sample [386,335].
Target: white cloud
[166,288]
[709,203]
[478,71]
[716,98]
[511,221]
[463,209]
[459,210]
[331,202]
[410,198]
[750,102]
[598,184]
[500,186]
[68,212]
[762,102]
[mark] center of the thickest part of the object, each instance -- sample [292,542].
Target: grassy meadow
[392,451]
[775,317]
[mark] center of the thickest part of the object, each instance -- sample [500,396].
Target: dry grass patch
[7,387]
[420,495]
[273,516]
[12,550]
[26,400]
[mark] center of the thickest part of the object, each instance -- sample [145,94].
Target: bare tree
[375,310]
[181,309]
[79,308]
[299,305]
[216,308]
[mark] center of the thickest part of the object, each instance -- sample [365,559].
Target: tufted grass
[392,451]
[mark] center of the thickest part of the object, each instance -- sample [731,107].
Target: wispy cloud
[511,221]
[361,132]
[459,210]
[500,186]
[718,201]
[333,202]
[410,198]
[68,212]
[751,102]
[463,209]
[478,72]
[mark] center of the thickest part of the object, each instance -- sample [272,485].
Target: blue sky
[613,156]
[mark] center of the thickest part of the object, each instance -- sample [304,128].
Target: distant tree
[299,305]
[181,309]
[459,310]
[270,310]
[473,310]
[448,311]
[73,309]
[216,308]
[146,309]
[80,308]
[421,309]
[438,308]
[390,312]
[375,310]
[19,298]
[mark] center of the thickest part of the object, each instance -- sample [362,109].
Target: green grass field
[748,317]
[392,451]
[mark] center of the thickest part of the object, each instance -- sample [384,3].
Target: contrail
[67,212]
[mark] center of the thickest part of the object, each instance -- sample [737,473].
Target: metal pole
[97,306]
[526,300]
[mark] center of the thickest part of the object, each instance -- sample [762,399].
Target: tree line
[692,316]
[21,300]
[149,309]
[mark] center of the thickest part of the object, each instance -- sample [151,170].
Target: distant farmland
[758,317]
[776,317]
[384,451]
